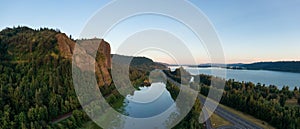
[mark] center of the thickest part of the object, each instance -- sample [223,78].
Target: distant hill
[285,66]
[142,63]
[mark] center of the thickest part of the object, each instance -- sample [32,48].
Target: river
[148,108]
[266,77]
[151,102]
[148,101]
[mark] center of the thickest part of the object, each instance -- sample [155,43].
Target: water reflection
[158,113]
[157,96]
[276,78]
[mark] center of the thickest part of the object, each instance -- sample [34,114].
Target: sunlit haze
[251,31]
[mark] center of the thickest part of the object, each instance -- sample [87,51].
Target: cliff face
[66,45]
[104,48]
[89,48]
[103,59]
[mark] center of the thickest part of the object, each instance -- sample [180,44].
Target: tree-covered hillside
[142,63]
[35,79]
[286,66]
[36,86]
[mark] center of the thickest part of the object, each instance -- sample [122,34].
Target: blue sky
[257,30]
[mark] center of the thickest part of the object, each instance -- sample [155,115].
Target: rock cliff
[66,45]
[103,58]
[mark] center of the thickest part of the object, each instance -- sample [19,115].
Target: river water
[266,77]
[151,102]
[147,108]
[148,101]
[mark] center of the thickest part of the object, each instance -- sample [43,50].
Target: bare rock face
[105,49]
[98,47]
[66,45]
[86,50]
[103,59]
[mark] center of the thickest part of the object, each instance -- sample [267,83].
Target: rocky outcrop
[104,61]
[87,52]
[66,45]
[105,49]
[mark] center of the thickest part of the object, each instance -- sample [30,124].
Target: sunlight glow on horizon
[256,31]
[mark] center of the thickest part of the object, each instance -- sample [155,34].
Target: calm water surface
[148,101]
[150,107]
[266,77]
[154,100]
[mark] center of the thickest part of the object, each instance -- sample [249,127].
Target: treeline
[285,66]
[191,120]
[263,102]
[267,103]
[140,63]
[36,84]
[35,81]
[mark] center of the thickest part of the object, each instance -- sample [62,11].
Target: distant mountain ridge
[140,62]
[284,66]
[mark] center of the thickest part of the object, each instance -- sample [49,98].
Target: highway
[238,122]
[207,122]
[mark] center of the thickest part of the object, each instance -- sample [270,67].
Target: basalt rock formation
[88,49]
[66,45]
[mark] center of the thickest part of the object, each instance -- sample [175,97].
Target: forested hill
[285,66]
[23,44]
[142,63]
[36,84]
[36,77]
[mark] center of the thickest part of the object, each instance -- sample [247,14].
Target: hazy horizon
[256,31]
[161,61]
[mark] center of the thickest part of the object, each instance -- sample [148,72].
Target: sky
[249,31]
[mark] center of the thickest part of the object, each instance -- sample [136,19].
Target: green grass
[252,119]
[218,121]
